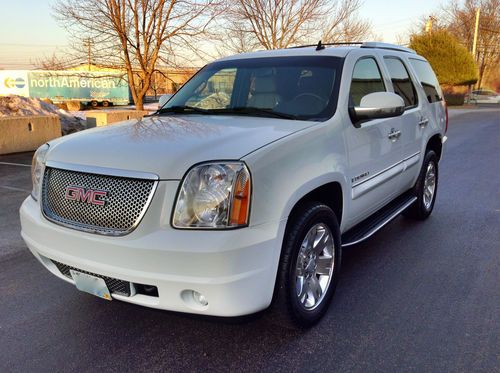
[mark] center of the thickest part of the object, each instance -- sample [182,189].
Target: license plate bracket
[90,284]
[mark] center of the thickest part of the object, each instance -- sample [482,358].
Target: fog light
[194,300]
[200,299]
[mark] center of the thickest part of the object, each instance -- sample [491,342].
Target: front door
[374,147]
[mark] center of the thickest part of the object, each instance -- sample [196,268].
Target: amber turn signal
[240,205]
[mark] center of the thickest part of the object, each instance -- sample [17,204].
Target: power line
[31,45]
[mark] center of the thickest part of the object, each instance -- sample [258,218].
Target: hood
[169,145]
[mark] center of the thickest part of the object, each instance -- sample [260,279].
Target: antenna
[320,46]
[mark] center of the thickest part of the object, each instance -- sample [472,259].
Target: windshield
[299,87]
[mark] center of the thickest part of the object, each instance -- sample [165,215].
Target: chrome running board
[377,221]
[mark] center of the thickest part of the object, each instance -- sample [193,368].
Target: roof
[306,51]
[339,50]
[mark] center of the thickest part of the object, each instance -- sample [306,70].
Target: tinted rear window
[428,80]
[401,82]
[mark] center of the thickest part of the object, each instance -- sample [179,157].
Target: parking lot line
[14,188]
[15,164]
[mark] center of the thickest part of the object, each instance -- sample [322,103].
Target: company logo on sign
[45,80]
[90,196]
[14,83]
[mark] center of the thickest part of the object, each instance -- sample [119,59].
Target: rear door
[413,120]
[432,103]
[374,155]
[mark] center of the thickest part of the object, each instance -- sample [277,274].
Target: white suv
[241,192]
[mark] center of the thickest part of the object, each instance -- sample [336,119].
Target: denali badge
[80,194]
[356,178]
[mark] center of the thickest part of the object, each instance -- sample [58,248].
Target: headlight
[37,169]
[214,195]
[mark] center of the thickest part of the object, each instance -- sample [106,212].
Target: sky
[28,31]
[391,18]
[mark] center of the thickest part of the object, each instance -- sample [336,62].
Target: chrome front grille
[125,203]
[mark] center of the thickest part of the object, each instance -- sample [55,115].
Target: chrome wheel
[314,268]
[429,185]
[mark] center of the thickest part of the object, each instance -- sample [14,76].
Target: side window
[403,86]
[428,80]
[366,78]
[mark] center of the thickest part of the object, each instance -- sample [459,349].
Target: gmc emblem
[80,194]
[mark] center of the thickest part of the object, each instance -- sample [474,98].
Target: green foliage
[451,62]
[454,99]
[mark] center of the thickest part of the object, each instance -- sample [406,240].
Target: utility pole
[474,43]
[476,31]
[88,43]
[429,24]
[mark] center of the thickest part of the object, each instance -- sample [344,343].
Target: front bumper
[234,269]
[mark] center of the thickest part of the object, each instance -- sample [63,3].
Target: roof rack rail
[321,45]
[394,47]
[370,44]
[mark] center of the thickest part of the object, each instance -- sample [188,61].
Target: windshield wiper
[239,110]
[183,109]
[250,110]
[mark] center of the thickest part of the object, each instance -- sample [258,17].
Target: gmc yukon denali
[241,191]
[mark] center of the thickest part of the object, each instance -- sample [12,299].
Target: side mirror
[163,100]
[377,105]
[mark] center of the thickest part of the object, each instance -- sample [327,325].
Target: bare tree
[459,18]
[344,24]
[274,24]
[135,35]
[238,39]
[53,62]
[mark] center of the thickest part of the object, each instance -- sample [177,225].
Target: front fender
[313,184]
[287,170]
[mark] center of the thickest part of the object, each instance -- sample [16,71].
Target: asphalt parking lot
[416,297]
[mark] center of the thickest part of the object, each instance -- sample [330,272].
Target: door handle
[394,135]
[423,122]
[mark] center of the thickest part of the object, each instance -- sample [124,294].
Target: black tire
[419,210]
[94,103]
[105,104]
[286,309]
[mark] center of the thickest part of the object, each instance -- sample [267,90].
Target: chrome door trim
[387,169]
[376,180]
[377,174]
[411,156]
[411,160]
[364,186]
